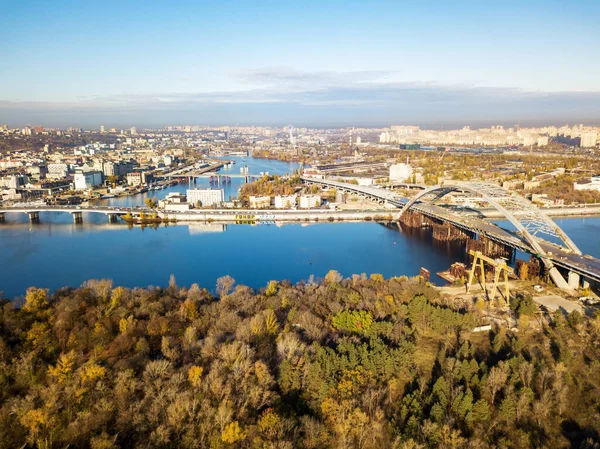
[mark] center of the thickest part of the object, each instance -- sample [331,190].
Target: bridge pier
[573,280]
[558,279]
[2,217]
[34,217]
[77,217]
[113,218]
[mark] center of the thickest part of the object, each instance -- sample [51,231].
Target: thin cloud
[315,99]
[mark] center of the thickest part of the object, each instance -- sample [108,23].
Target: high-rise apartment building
[589,139]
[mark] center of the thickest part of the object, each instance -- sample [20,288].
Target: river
[57,253]
[255,167]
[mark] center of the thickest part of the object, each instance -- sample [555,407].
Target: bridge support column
[113,218]
[1,217]
[77,217]
[34,217]
[559,280]
[574,280]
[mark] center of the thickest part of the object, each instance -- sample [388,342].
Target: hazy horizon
[315,64]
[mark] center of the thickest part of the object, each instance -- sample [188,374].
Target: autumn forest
[362,362]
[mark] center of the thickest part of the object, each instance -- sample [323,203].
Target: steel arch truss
[527,218]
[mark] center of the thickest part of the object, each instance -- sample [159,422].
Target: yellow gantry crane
[500,267]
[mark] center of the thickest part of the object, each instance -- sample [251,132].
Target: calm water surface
[57,253]
[255,167]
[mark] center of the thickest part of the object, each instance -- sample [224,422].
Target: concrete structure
[206,197]
[259,202]
[400,173]
[310,201]
[285,201]
[87,180]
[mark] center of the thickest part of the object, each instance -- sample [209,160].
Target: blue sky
[324,63]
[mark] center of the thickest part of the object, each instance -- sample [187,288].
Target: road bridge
[529,221]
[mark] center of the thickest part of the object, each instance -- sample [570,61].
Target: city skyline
[333,64]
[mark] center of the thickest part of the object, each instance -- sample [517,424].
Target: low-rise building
[37,171]
[528,185]
[138,178]
[57,171]
[205,197]
[117,168]
[512,185]
[310,201]
[10,194]
[259,202]
[14,181]
[400,173]
[88,179]
[178,207]
[542,198]
[172,198]
[589,184]
[285,201]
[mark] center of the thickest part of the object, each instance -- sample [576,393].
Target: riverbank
[235,215]
[250,215]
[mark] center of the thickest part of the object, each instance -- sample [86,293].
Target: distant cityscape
[576,135]
[73,165]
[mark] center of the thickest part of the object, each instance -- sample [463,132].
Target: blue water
[255,167]
[57,253]
[585,233]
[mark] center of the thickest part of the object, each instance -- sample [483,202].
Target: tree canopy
[347,363]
